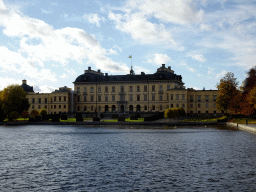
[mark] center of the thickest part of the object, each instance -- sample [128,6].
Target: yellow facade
[94,91]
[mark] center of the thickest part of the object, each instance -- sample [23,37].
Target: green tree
[13,115]
[2,114]
[14,99]
[43,112]
[227,90]
[34,113]
[24,114]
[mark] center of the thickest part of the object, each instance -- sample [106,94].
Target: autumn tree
[250,81]
[252,98]
[24,114]
[235,104]
[227,90]
[13,98]
[34,113]
[246,106]
[43,112]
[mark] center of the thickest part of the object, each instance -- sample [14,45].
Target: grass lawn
[243,121]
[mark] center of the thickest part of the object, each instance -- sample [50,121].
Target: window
[84,89]
[183,97]
[183,105]
[45,106]
[214,105]
[54,99]
[153,107]
[92,98]
[177,97]
[172,97]
[130,97]
[65,98]
[167,96]
[59,98]
[145,98]
[138,97]
[78,108]
[59,106]
[65,106]
[171,105]
[99,98]
[199,105]
[113,98]
[214,97]
[153,88]
[160,88]
[91,89]
[145,108]
[39,106]
[39,100]
[54,106]
[99,108]
[199,98]
[191,105]
[106,89]
[33,107]
[106,98]
[113,89]
[85,108]
[138,88]
[145,88]
[191,97]
[122,97]
[33,100]
[153,97]
[206,111]
[160,107]
[177,105]
[84,98]
[168,87]
[160,97]
[206,98]
[122,88]
[78,98]
[199,112]
[91,108]
[51,106]
[78,89]
[206,105]
[214,112]
[99,89]
[130,89]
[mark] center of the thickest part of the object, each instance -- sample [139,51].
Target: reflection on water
[72,158]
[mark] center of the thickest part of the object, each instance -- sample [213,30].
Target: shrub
[24,114]
[34,113]
[2,115]
[13,115]
[43,112]
[114,116]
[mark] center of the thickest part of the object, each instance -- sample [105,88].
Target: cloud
[184,64]
[159,59]
[221,74]
[45,12]
[94,18]
[139,69]
[5,81]
[70,71]
[58,45]
[191,69]
[200,58]
[144,31]
[63,76]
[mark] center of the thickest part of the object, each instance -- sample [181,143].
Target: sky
[51,42]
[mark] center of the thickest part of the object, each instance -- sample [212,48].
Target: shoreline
[113,123]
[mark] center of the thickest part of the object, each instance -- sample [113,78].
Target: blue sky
[50,42]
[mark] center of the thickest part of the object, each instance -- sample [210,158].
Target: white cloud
[175,11]
[221,74]
[58,45]
[5,81]
[184,64]
[144,31]
[94,18]
[63,76]
[191,69]
[70,71]
[199,58]
[45,12]
[139,69]
[159,59]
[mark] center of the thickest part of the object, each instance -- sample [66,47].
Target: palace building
[96,91]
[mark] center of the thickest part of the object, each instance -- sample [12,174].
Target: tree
[235,104]
[250,81]
[14,99]
[34,113]
[246,106]
[43,112]
[2,114]
[24,114]
[252,97]
[13,115]
[227,90]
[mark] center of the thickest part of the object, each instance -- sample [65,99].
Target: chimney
[24,81]
[89,68]
[163,65]
[98,70]
[169,67]
[142,73]
[106,74]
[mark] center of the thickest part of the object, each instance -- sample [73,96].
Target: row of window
[52,106]
[200,105]
[54,99]
[153,88]
[199,98]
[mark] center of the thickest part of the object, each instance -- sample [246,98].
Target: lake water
[118,158]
